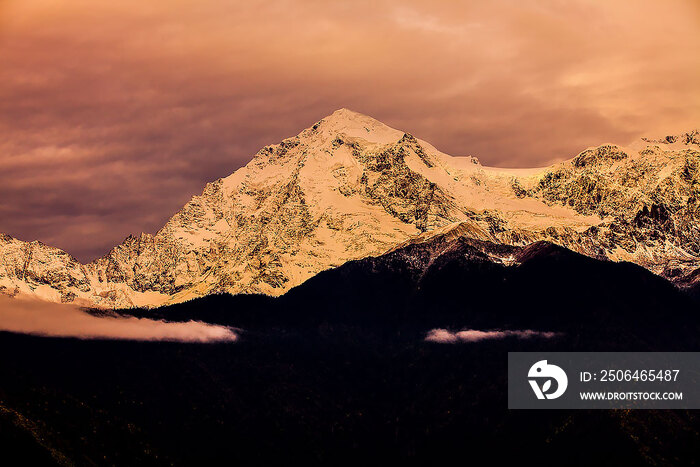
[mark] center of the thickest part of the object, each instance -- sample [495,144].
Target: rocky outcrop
[647,203]
[691,137]
[33,266]
[350,187]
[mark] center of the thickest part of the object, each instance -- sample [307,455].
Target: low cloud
[36,317]
[443,336]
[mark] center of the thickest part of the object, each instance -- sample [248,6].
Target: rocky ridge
[350,187]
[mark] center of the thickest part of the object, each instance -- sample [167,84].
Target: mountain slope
[350,187]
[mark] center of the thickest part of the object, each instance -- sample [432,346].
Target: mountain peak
[344,112]
[354,124]
[347,115]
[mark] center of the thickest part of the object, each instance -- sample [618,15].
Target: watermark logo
[540,377]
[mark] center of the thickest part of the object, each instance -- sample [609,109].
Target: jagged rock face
[691,137]
[350,187]
[647,201]
[28,267]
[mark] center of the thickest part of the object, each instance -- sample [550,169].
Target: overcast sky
[114,113]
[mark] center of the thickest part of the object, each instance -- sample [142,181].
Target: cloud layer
[32,316]
[112,114]
[443,336]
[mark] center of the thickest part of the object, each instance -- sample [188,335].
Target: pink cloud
[443,336]
[32,316]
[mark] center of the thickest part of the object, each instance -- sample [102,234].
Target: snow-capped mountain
[350,187]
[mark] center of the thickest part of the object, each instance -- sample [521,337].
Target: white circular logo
[540,378]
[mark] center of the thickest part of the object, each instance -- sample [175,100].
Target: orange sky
[112,114]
